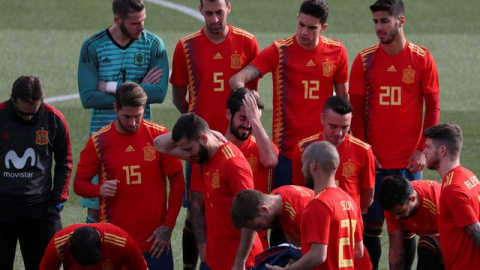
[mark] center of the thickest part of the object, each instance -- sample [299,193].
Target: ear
[322,118]
[115,108]
[401,20]
[264,209]
[200,8]
[442,150]
[117,20]
[228,114]
[324,27]
[204,138]
[229,7]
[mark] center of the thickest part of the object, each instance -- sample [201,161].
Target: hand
[109,188]
[274,267]
[102,86]
[252,111]
[219,136]
[377,163]
[162,241]
[237,267]
[153,76]
[417,161]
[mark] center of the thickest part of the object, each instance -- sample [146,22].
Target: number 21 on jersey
[349,225]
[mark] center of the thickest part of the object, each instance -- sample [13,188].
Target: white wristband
[111,87]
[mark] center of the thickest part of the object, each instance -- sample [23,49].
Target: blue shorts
[165,262]
[91,203]
[375,211]
[187,199]
[282,174]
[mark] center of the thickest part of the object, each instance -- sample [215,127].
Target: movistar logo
[19,162]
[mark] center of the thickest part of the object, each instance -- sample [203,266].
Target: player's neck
[446,166]
[218,38]
[231,138]
[396,46]
[118,36]
[277,206]
[323,182]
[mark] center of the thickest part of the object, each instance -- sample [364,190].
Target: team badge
[216,180]
[327,69]
[149,153]
[139,58]
[236,61]
[42,137]
[408,76]
[253,162]
[348,169]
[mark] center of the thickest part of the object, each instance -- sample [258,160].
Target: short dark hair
[338,104]
[246,205]
[27,88]
[189,126]
[86,246]
[122,8]
[235,100]
[130,94]
[201,1]
[315,8]
[393,7]
[394,190]
[449,135]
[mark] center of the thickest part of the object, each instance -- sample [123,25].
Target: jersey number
[217,78]
[350,225]
[311,89]
[391,95]
[132,174]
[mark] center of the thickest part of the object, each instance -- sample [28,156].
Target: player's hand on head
[109,188]
[219,136]
[153,76]
[251,108]
[161,237]
[417,161]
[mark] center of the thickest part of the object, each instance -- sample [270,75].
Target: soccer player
[92,246]
[33,136]
[413,206]
[389,83]
[123,52]
[223,172]
[305,68]
[132,177]
[244,110]
[339,230]
[459,217]
[203,62]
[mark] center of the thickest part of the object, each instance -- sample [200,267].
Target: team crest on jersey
[253,162]
[327,69]
[216,180]
[408,76]
[42,137]
[139,58]
[236,61]
[348,169]
[107,266]
[149,153]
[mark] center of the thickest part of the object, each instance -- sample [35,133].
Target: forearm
[246,242]
[63,164]
[358,120]
[244,76]
[366,198]
[268,156]
[177,186]
[432,116]
[179,94]
[341,89]
[165,144]
[84,187]
[198,214]
[474,233]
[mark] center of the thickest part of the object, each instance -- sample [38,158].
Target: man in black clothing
[32,136]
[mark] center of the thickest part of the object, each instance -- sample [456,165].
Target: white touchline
[180,8]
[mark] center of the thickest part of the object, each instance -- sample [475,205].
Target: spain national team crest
[216,180]
[348,169]
[139,58]
[149,153]
[327,69]
[236,61]
[253,162]
[408,76]
[42,137]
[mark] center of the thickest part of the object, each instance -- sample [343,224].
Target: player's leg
[429,255]
[409,240]
[8,238]
[189,245]
[165,262]
[92,206]
[282,175]
[36,233]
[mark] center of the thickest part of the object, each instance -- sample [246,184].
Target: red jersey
[295,199]
[302,82]
[141,195]
[356,170]
[393,87]
[206,67]
[219,179]
[339,228]
[459,207]
[119,250]
[261,174]
[425,221]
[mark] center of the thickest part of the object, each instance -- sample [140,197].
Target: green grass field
[44,38]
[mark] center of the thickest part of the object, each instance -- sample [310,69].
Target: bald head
[324,154]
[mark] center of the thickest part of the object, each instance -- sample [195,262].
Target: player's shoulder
[100,36]
[417,49]
[243,33]
[284,42]
[369,50]
[304,143]
[331,42]
[102,131]
[55,112]
[154,126]
[355,142]
[190,36]
[151,36]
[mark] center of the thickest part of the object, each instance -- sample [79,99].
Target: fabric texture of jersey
[141,194]
[339,228]
[394,87]
[28,151]
[119,250]
[101,58]
[302,82]
[459,207]
[219,179]
[355,172]
[425,221]
[206,67]
[279,255]
[295,199]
